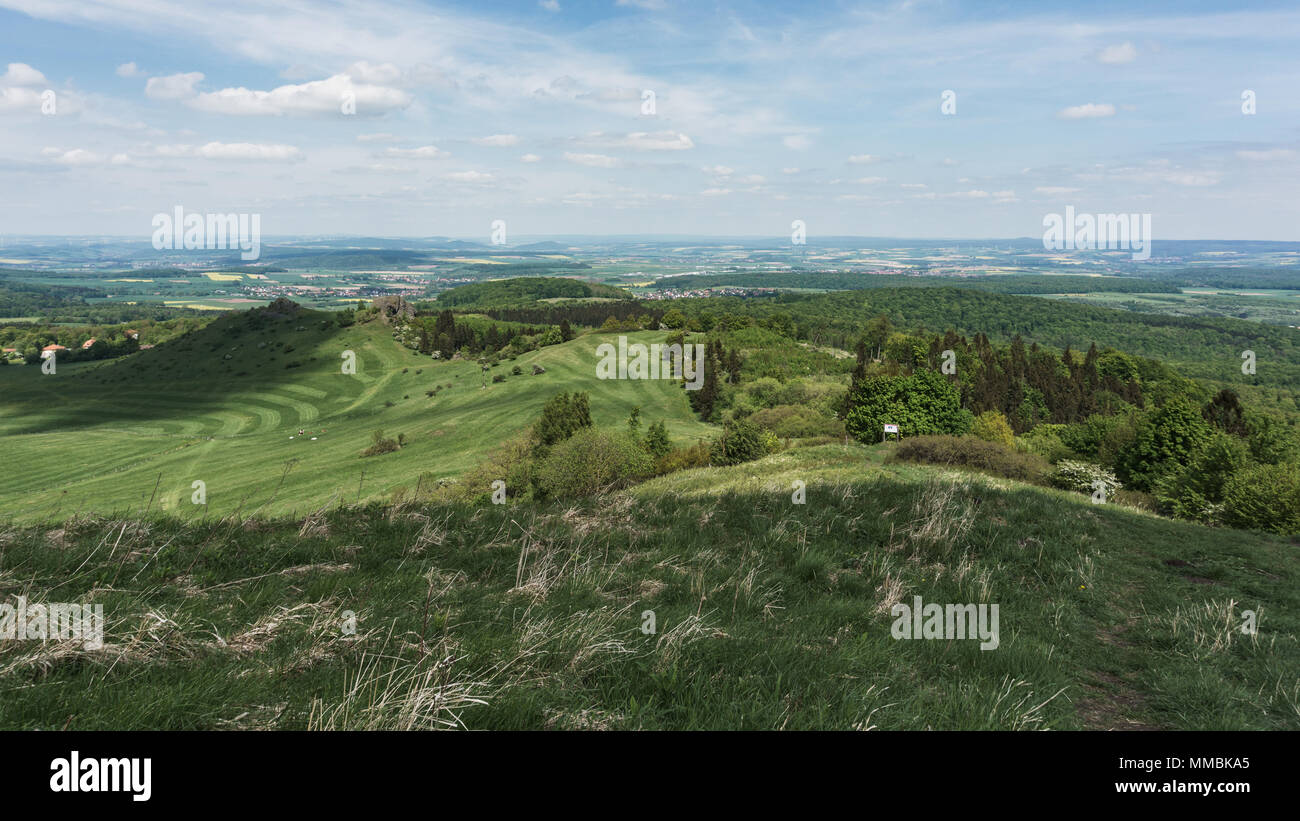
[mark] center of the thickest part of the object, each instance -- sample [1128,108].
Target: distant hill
[505,292]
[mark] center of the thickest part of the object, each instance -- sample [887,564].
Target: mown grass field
[109,437]
[769,614]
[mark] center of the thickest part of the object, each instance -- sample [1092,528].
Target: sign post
[888,430]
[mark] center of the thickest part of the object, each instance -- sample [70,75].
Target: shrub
[515,371]
[741,442]
[511,462]
[1196,491]
[967,451]
[562,416]
[498,377]
[1264,497]
[793,421]
[592,461]
[694,456]
[1166,439]
[1083,477]
[1045,441]
[924,403]
[992,426]
[380,444]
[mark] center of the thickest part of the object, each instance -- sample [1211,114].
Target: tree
[566,332]
[656,441]
[992,426]
[562,416]
[1225,412]
[634,423]
[922,403]
[1165,440]
[878,331]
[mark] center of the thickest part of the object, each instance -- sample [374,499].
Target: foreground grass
[769,614]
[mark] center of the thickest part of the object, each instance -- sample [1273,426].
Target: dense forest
[852,281]
[516,291]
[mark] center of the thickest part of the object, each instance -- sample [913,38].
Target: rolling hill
[224,406]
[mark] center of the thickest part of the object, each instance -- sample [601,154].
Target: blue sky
[764,113]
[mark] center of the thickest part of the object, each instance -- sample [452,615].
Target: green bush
[1264,497]
[592,461]
[693,456]
[1045,441]
[924,403]
[967,451]
[741,442]
[1196,491]
[992,426]
[795,421]
[1164,441]
[562,416]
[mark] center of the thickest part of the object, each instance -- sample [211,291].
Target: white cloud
[862,159]
[715,192]
[129,70]
[652,5]
[21,74]
[173,86]
[913,185]
[789,170]
[424,152]
[550,5]
[1117,55]
[1054,190]
[382,137]
[641,141]
[469,176]
[750,179]
[232,151]
[796,142]
[530,158]
[719,170]
[498,140]
[75,156]
[367,87]
[869,180]
[593,160]
[1087,110]
[317,97]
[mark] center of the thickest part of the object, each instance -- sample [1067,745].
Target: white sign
[891,428]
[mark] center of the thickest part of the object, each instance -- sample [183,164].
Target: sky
[891,119]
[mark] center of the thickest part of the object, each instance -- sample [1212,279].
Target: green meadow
[224,406]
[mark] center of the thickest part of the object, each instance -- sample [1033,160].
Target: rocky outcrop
[283,307]
[392,308]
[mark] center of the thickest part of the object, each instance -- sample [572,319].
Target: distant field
[98,436]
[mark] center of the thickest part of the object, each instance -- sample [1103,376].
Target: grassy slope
[769,614]
[96,437]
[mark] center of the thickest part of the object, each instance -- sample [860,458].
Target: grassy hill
[224,406]
[768,614]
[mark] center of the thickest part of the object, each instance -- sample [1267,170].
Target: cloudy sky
[394,118]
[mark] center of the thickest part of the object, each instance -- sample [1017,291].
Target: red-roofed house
[49,350]
[86,345]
